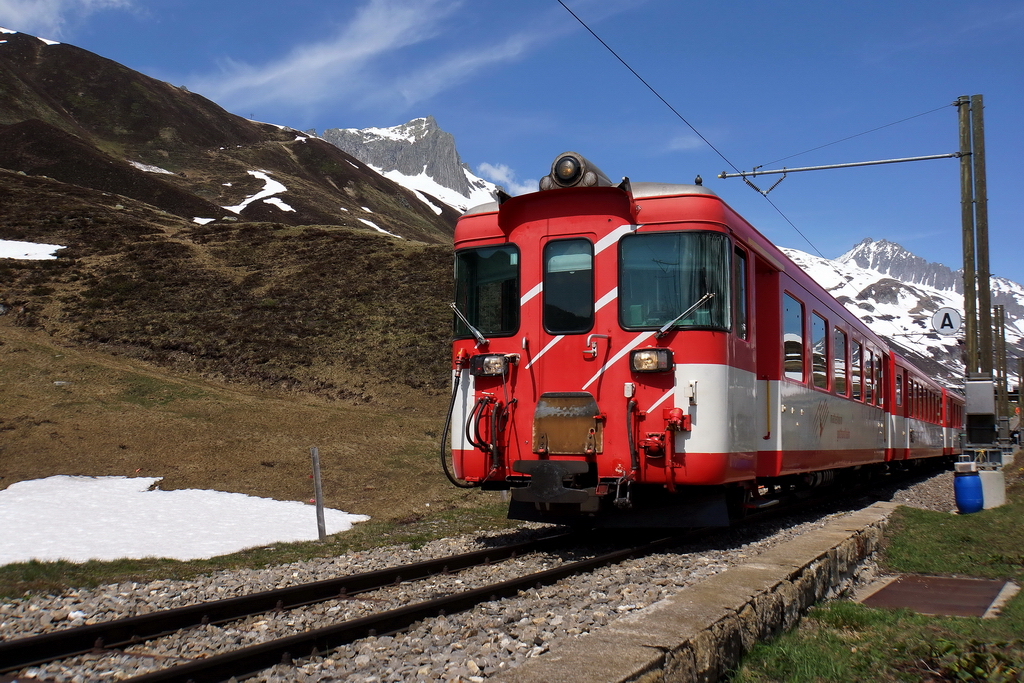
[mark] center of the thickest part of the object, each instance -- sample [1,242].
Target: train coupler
[547,482]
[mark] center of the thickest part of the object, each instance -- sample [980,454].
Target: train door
[576,322]
[743,383]
[899,432]
[767,307]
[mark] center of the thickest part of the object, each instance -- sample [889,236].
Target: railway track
[112,637]
[116,634]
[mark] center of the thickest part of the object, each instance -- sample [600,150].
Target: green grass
[54,577]
[845,641]
[145,391]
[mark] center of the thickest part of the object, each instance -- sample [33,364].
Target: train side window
[857,370]
[819,351]
[739,292]
[879,380]
[899,389]
[839,368]
[568,286]
[792,338]
[869,376]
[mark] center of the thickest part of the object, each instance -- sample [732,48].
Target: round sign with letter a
[946,321]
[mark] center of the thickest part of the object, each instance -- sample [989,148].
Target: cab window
[487,290]
[676,278]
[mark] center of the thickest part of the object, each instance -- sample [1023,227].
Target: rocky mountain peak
[889,258]
[418,148]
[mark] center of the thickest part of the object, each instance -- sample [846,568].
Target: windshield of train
[662,274]
[487,290]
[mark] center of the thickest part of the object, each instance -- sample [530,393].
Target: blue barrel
[967,490]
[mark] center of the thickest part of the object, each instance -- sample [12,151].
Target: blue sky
[519,82]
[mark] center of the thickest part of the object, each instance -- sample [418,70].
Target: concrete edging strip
[701,632]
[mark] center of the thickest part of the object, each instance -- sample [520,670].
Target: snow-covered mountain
[895,293]
[419,156]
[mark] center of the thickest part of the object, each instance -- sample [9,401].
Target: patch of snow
[343,208]
[7,30]
[49,42]
[149,169]
[434,207]
[424,183]
[366,209]
[278,203]
[396,133]
[83,518]
[28,251]
[270,188]
[379,229]
[203,221]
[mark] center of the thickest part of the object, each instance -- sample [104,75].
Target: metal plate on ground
[943,595]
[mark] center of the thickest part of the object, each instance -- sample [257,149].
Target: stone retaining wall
[701,632]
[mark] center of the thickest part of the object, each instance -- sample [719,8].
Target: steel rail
[34,650]
[249,660]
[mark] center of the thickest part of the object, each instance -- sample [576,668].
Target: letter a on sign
[946,321]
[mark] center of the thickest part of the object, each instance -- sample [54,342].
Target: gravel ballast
[468,646]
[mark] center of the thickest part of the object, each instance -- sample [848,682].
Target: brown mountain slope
[344,312]
[124,116]
[38,148]
[212,355]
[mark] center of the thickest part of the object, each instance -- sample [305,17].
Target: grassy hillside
[215,356]
[84,412]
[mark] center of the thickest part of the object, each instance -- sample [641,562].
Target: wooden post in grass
[320,526]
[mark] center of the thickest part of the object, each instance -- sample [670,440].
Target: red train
[639,355]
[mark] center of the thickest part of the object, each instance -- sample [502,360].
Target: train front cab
[625,354]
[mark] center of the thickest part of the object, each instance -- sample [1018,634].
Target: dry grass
[80,412]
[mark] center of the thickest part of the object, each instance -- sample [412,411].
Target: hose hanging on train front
[444,435]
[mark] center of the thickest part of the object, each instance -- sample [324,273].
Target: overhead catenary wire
[683,119]
[856,135]
[719,153]
[648,85]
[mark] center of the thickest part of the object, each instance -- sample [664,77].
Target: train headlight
[489,365]
[567,170]
[573,170]
[651,360]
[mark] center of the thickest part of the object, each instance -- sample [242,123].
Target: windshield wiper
[480,339]
[664,328]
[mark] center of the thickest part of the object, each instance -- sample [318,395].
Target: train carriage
[639,354]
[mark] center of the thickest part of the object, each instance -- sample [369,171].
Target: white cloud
[685,142]
[49,18]
[376,59]
[339,67]
[505,176]
[455,69]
